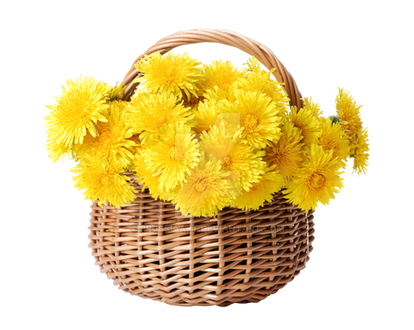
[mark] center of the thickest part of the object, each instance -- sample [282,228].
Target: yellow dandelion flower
[205,190]
[116,92]
[254,66]
[244,163]
[359,150]
[317,180]
[76,112]
[314,108]
[150,112]
[333,138]
[259,117]
[147,179]
[262,191]
[350,120]
[142,93]
[286,154]
[217,94]
[171,73]
[112,140]
[221,74]
[205,116]
[307,123]
[103,179]
[259,80]
[348,112]
[172,155]
[56,150]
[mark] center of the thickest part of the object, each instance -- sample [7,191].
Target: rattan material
[149,249]
[263,54]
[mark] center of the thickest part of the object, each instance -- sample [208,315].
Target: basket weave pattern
[149,249]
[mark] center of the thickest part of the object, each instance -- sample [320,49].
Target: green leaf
[334,119]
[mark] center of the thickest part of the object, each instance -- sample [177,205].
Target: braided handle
[263,54]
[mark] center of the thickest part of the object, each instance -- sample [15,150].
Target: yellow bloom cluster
[204,137]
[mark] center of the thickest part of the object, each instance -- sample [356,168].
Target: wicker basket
[151,250]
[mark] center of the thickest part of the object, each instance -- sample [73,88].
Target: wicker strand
[263,54]
[151,250]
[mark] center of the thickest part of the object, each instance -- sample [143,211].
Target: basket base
[224,300]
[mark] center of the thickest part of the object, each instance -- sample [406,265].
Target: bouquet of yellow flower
[204,137]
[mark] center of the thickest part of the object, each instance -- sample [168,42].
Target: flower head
[259,80]
[286,154]
[261,191]
[218,94]
[103,179]
[258,117]
[359,150]
[115,93]
[221,75]
[112,138]
[57,150]
[205,190]
[307,123]
[244,163]
[205,115]
[76,112]
[172,155]
[148,180]
[317,180]
[254,66]
[313,107]
[170,73]
[350,120]
[148,113]
[348,112]
[333,138]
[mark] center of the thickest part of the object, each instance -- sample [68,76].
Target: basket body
[151,250]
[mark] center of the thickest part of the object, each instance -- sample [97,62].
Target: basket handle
[263,54]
